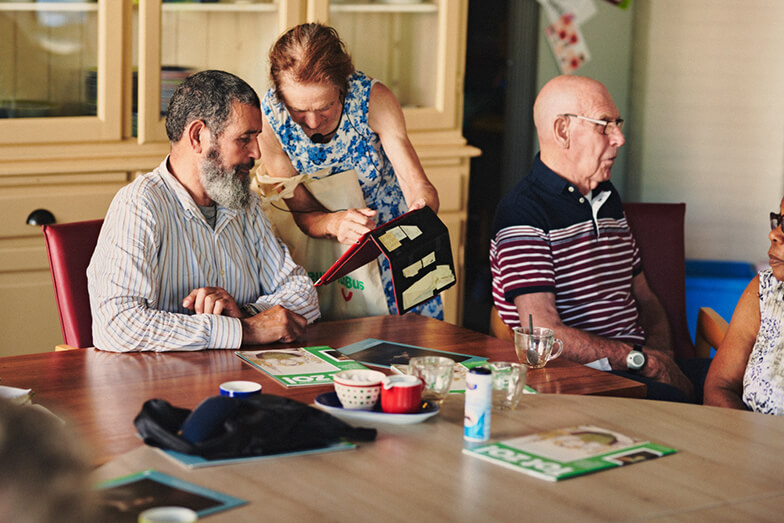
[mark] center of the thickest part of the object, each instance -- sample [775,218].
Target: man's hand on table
[212,300]
[663,368]
[271,325]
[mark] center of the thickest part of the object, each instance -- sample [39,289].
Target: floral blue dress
[763,382]
[354,146]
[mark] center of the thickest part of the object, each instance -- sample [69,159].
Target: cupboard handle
[40,217]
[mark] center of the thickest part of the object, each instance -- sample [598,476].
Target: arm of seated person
[212,300]
[724,383]
[274,324]
[584,347]
[271,325]
[652,316]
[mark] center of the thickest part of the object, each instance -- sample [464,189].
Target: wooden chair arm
[64,347]
[711,328]
[498,328]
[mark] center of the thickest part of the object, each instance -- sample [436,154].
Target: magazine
[568,452]
[124,498]
[384,353]
[300,366]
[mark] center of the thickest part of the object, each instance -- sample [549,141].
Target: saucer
[329,402]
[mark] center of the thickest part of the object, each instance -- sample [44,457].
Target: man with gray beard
[186,259]
[230,188]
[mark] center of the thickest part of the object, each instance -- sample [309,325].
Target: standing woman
[323,114]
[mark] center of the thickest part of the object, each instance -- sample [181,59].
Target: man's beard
[225,186]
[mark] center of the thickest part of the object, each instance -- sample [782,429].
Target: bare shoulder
[745,322]
[382,101]
[748,304]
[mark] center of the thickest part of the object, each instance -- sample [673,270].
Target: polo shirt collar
[556,184]
[551,181]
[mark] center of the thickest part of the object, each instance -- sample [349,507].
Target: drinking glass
[508,383]
[436,373]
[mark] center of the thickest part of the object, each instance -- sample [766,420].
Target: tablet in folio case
[419,253]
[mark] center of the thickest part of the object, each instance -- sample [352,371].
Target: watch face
[635,360]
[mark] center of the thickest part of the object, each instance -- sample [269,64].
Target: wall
[609,36]
[708,112]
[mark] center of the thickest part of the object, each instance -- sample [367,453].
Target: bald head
[565,94]
[575,149]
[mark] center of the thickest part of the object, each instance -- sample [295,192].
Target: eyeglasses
[607,126]
[776,221]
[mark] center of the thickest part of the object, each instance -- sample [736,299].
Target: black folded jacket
[222,427]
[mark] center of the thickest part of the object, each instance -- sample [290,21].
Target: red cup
[401,394]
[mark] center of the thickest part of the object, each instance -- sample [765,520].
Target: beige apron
[359,293]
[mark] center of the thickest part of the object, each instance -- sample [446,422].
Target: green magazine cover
[300,366]
[568,452]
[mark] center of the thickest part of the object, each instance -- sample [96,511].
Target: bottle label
[478,405]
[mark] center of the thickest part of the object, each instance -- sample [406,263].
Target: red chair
[70,247]
[658,229]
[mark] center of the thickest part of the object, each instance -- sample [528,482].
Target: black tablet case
[434,238]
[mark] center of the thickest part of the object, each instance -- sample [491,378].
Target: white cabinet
[84,85]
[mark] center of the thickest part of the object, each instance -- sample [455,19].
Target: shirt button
[223,273]
[571,189]
[582,200]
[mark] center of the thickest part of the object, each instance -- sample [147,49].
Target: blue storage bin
[715,284]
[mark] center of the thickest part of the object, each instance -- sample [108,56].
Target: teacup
[401,394]
[239,389]
[358,389]
[436,374]
[168,515]
[535,348]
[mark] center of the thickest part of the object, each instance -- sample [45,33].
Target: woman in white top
[748,369]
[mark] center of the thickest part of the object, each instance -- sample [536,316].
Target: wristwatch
[636,358]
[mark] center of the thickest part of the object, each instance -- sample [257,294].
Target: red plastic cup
[401,394]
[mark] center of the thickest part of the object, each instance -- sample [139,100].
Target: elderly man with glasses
[563,252]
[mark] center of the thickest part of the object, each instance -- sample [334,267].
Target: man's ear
[198,136]
[561,131]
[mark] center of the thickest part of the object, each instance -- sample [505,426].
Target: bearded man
[186,258]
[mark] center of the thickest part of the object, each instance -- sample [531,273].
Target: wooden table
[729,466]
[103,391]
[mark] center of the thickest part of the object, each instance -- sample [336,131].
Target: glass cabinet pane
[394,41]
[50,66]
[50,55]
[231,35]
[409,45]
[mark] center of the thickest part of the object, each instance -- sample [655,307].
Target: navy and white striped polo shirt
[546,238]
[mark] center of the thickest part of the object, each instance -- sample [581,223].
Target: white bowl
[358,389]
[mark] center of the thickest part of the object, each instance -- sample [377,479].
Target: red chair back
[70,247]
[659,231]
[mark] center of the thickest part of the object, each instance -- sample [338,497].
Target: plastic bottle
[478,404]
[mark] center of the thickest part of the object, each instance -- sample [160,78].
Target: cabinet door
[29,322]
[178,39]
[61,73]
[411,46]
